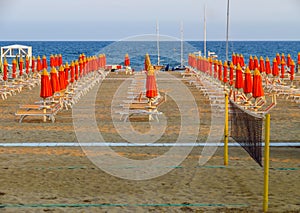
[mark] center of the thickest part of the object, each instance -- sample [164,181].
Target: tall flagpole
[157,42]
[227,30]
[204,39]
[181,55]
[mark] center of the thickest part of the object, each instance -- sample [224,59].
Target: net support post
[266,163]
[226,131]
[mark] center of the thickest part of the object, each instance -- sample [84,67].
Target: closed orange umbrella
[72,72]
[52,61]
[255,63]
[21,64]
[282,68]
[233,59]
[151,88]
[67,68]
[239,80]
[231,67]
[127,60]
[251,63]
[292,71]
[220,70]
[62,80]
[288,60]
[44,62]
[27,65]
[225,65]
[60,60]
[278,58]
[261,64]
[248,81]
[33,64]
[14,68]
[54,80]
[5,65]
[215,68]
[76,71]
[275,71]
[283,58]
[210,61]
[268,66]
[80,68]
[46,89]
[242,60]
[257,90]
[39,64]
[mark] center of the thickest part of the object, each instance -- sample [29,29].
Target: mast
[181,55]
[204,39]
[157,42]
[227,30]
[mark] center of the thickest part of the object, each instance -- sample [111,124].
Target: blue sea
[170,51]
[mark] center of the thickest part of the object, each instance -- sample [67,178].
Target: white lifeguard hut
[12,51]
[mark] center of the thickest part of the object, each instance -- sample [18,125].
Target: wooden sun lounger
[37,110]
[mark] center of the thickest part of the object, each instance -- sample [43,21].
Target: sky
[120,19]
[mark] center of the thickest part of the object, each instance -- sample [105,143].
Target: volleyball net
[247,129]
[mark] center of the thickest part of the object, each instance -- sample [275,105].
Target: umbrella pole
[44,110]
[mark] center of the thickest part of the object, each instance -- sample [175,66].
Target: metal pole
[227,30]
[266,163]
[226,131]
[157,42]
[181,55]
[204,39]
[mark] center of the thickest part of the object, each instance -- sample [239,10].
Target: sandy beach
[63,179]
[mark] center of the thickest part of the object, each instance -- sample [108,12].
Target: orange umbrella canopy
[239,80]
[44,62]
[231,67]
[54,80]
[248,81]
[27,65]
[46,89]
[257,90]
[278,58]
[21,63]
[62,79]
[288,60]
[14,68]
[251,63]
[220,70]
[268,66]
[282,68]
[255,62]
[76,70]
[147,62]
[151,88]
[225,65]
[261,64]
[39,63]
[5,65]
[275,71]
[292,72]
[127,60]
[72,72]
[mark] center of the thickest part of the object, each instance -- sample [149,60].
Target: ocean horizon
[170,50]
